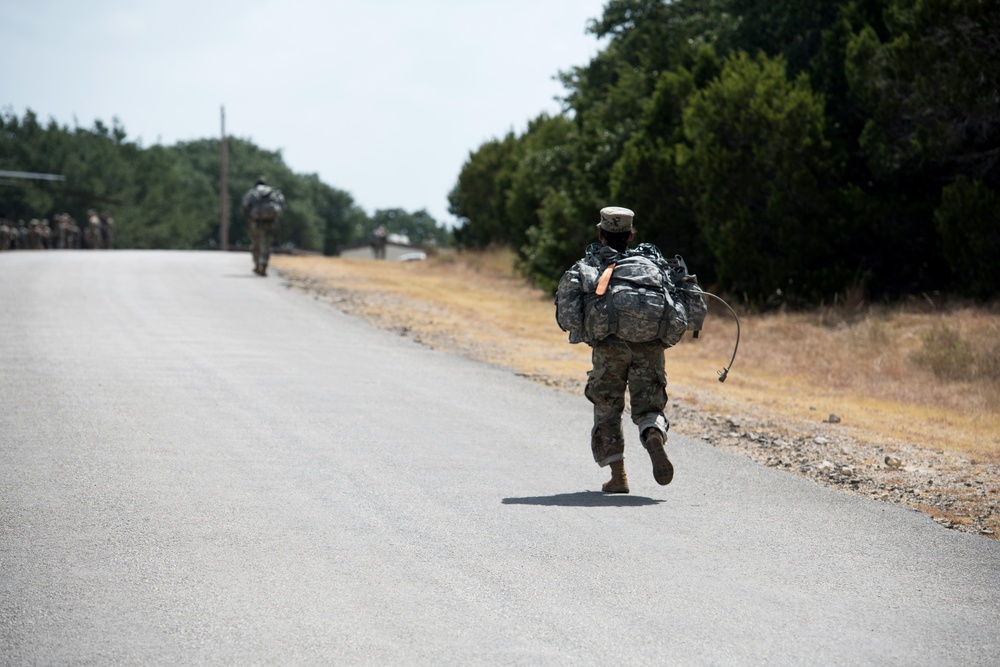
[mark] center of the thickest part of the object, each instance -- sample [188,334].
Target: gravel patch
[954,491]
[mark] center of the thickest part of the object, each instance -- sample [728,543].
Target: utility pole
[224,221]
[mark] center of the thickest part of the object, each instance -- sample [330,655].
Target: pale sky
[382,98]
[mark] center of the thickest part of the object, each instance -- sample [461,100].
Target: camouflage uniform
[262,231]
[627,351]
[618,364]
[261,235]
[92,232]
[74,235]
[107,231]
[45,232]
[34,235]
[379,242]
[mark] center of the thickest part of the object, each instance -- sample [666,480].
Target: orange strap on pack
[602,284]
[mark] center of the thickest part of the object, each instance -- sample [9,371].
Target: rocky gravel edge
[956,492]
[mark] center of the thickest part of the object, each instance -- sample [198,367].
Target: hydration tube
[725,371]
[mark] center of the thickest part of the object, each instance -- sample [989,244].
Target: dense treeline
[791,150]
[168,196]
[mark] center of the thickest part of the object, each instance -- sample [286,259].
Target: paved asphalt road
[203,467]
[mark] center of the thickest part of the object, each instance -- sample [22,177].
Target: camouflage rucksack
[266,204]
[639,300]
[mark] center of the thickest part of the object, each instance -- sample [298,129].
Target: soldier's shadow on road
[585,499]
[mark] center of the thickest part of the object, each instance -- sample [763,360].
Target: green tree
[925,83]
[969,223]
[931,88]
[647,178]
[22,143]
[335,212]
[168,207]
[567,224]
[756,156]
[94,162]
[543,167]
[789,28]
[606,101]
[478,198]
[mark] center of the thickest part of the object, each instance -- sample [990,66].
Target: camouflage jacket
[262,197]
[648,297]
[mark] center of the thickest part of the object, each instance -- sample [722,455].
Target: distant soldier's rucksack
[266,204]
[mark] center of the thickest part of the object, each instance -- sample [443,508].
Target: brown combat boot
[619,480]
[663,469]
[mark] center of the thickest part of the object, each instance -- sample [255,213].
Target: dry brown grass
[923,376]
[874,372]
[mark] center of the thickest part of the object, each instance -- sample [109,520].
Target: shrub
[946,354]
[970,235]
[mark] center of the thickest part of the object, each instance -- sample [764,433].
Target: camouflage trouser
[261,235]
[617,364]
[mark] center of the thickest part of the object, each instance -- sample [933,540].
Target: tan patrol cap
[616,219]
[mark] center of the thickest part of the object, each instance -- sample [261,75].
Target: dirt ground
[960,491]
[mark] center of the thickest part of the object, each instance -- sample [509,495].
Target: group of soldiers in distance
[97,233]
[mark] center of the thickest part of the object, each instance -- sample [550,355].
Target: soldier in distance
[262,207]
[379,241]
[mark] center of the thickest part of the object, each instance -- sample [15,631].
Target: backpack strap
[602,284]
[668,305]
